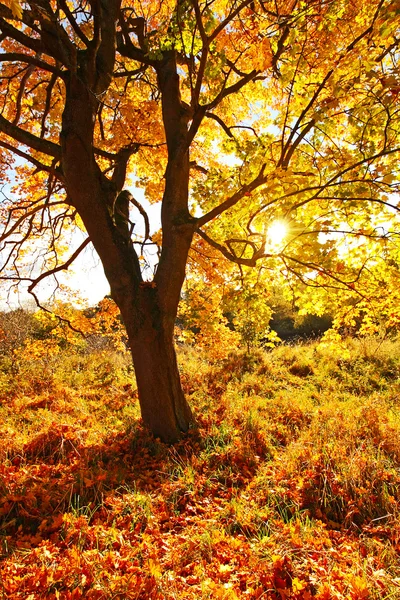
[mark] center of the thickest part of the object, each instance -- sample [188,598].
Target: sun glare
[277,232]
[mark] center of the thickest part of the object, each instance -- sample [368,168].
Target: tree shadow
[58,472]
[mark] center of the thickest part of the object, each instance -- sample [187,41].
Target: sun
[277,232]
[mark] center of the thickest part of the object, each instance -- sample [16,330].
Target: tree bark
[164,408]
[148,309]
[85,68]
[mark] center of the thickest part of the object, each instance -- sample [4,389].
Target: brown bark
[148,309]
[164,408]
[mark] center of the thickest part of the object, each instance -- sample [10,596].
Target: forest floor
[287,488]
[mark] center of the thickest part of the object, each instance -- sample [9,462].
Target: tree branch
[248,262]
[234,199]
[220,122]
[62,267]
[21,91]
[128,50]
[348,284]
[228,19]
[29,139]
[74,24]
[232,89]
[193,165]
[297,141]
[39,165]
[225,91]
[31,60]
[282,161]
[204,55]
[287,151]
[332,180]
[121,164]
[47,107]
[144,214]
[24,217]
[17,35]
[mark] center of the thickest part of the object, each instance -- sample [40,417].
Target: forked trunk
[148,309]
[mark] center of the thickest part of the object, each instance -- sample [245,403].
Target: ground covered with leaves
[288,487]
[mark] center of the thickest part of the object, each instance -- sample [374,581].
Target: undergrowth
[288,485]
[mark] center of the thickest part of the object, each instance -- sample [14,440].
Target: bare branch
[74,24]
[248,262]
[39,165]
[225,91]
[204,55]
[144,215]
[228,19]
[23,218]
[297,141]
[41,145]
[129,50]
[282,161]
[16,34]
[29,59]
[350,285]
[59,268]
[280,48]
[193,165]
[232,89]
[50,312]
[55,39]
[131,73]
[199,23]
[121,164]
[47,107]
[220,122]
[288,149]
[21,91]
[333,180]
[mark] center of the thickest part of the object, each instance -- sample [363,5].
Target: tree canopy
[234,115]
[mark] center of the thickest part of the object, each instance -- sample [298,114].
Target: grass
[288,486]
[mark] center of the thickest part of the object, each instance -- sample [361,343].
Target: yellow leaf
[298,584]
[225,568]
[154,568]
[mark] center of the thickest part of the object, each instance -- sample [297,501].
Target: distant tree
[232,114]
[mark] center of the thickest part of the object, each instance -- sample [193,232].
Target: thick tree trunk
[164,408]
[148,309]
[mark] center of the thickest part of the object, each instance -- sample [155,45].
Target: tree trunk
[148,309]
[164,408]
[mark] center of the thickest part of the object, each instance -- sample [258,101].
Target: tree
[233,113]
